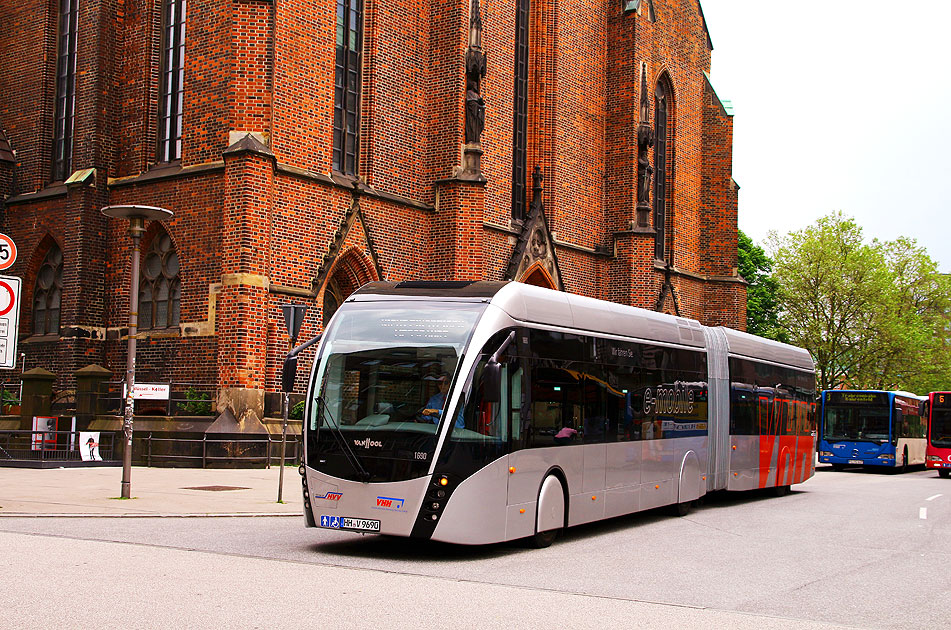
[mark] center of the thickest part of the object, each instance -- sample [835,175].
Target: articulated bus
[938,413]
[871,428]
[480,412]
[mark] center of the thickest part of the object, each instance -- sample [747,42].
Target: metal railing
[57,447]
[66,447]
[185,399]
[260,450]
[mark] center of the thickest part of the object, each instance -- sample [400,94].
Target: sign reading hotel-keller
[9,320]
[149,391]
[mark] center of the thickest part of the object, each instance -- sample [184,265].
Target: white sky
[839,105]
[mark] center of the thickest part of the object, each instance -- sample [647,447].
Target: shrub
[196,404]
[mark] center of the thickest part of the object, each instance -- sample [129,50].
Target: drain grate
[216,488]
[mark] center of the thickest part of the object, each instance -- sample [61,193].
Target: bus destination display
[856,398]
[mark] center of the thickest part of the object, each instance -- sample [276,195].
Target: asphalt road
[851,549]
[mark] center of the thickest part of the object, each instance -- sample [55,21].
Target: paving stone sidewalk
[155,492]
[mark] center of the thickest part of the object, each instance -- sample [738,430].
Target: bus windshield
[856,423]
[382,386]
[941,428]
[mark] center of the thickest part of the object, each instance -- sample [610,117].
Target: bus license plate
[856,461]
[349,522]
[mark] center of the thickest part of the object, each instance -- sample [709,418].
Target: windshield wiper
[322,415]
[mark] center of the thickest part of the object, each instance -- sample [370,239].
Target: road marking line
[934,497]
[923,513]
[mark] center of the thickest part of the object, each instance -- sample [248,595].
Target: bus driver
[435,404]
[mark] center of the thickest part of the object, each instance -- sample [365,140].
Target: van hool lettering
[367,443]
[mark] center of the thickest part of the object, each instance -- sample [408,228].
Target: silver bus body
[525,491]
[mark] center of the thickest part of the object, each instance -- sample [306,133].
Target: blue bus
[871,428]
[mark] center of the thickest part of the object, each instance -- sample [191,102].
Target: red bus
[938,453]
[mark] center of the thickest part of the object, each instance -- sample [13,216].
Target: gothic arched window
[520,107]
[48,293]
[171,89]
[160,290]
[65,104]
[347,85]
[661,165]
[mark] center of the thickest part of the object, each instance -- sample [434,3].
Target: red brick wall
[253,65]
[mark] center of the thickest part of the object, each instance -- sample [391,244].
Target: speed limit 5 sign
[8,252]
[9,320]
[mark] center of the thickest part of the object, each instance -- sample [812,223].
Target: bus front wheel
[944,473]
[550,515]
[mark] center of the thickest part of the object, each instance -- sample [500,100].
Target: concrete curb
[137,515]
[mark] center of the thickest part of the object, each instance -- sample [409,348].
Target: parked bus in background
[937,410]
[871,428]
[479,412]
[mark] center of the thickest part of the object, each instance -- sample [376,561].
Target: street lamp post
[137,216]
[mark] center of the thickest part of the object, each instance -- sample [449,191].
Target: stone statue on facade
[474,104]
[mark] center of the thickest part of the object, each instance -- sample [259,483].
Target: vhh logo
[389,502]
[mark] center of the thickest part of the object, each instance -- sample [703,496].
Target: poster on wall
[44,433]
[89,446]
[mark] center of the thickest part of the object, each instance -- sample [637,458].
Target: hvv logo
[330,496]
[389,503]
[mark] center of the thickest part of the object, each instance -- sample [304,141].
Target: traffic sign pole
[293,320]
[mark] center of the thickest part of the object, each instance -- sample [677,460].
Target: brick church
[306,147]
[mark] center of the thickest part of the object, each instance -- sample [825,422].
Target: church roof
[705,29]
[725,104]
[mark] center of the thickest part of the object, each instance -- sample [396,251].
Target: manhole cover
[216,488]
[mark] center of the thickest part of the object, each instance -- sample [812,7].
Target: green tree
[762,301]
[873,315]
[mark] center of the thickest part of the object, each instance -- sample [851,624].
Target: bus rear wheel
[543,539]
[944,473]
[780,491]
[681,509]
[904,462]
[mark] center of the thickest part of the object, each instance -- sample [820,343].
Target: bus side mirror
[289,373]
[923,408]
[492,382]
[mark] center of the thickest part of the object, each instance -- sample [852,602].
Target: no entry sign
[9,320]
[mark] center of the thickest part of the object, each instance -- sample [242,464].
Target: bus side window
[514,404]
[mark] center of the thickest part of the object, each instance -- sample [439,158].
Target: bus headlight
[887,456]
[825,454]
[933,458]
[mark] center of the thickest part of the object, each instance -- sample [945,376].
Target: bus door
[550,428]
[766,421]
[785,419]
[595,410]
